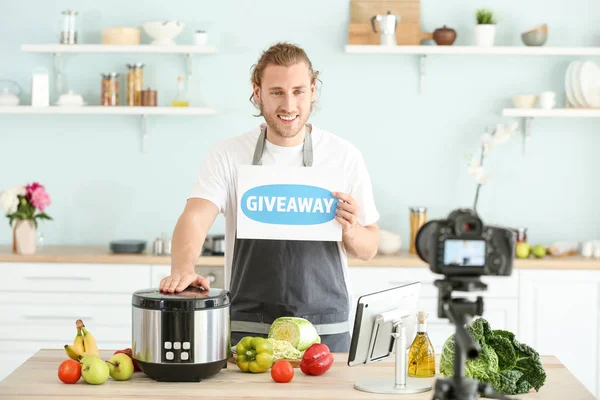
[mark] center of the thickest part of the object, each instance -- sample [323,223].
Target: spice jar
[135,81]
[521,235]
[110,89]
[418,217]
[149,98]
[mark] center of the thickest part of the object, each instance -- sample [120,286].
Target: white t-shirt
[217,179]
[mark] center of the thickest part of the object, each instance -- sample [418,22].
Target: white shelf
[109,110]
[552,113]
[475,50]
[104,48]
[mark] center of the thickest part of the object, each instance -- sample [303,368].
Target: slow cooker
[181,337]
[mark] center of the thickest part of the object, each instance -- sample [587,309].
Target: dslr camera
[462,245]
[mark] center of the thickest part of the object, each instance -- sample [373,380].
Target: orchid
[501,134]
[22,202]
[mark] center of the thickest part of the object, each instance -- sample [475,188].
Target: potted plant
[25,205]
[485,30]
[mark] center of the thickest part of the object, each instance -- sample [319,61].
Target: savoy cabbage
[509,366]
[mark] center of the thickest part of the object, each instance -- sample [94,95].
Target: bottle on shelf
[181,100]
[421,355]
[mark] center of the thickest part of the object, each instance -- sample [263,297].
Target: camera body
[462,245]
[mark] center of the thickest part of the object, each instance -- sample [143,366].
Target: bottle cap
[422,316]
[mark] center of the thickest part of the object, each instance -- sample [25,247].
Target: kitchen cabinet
[40,302]
[560,315]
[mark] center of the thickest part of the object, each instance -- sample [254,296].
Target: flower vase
[24,237]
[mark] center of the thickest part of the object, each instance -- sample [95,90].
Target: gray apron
[288,278]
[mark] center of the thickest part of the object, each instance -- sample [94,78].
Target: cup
[547,100]
[200,38]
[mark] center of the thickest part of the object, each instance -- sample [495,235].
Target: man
[274,278]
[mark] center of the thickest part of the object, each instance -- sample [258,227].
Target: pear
[94,370]
[120,367]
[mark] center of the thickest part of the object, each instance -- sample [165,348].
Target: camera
[462,245]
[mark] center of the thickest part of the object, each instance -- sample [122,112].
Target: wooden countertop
[102,255]
[37,379]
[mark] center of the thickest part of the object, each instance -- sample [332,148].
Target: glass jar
[135,82]
[110,89]
[418,217]
[68,34]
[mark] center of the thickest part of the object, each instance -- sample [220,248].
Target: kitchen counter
[37,379]
[102,255]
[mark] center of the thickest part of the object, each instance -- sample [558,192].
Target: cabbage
[298,331]
[282,349]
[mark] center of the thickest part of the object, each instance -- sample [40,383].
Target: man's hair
[282,54]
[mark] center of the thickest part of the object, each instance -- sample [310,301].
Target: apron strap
[307,148]
[262,328]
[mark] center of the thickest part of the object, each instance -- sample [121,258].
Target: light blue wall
[103,187]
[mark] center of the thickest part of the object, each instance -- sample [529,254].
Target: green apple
[539,251]
[94,370]
[523,250]
[120,367]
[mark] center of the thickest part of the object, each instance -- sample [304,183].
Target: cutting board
[408,30]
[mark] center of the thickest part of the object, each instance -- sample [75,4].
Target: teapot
[387,24]
[9,97]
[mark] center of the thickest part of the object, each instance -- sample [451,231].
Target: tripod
[459,311]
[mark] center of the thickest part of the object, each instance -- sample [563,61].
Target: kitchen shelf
[527,115]
[475,50]
[107,48]
[424,51]
[143,112]
[108,110]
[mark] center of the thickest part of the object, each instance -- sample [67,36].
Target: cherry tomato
[282,371]
[69,371]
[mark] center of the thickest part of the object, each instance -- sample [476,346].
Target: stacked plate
[582,84]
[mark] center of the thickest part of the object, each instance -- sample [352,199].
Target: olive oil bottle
[421,355]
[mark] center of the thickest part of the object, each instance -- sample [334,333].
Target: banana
[89,342]
[78,342]
[72,352]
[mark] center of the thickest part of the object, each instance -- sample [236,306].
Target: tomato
[69,371]
[282,371]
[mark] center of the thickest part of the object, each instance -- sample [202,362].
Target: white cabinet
[559,315]
[40,302]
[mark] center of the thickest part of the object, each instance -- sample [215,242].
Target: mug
[547,100]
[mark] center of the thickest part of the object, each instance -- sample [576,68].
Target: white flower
[487,141]
[9,200]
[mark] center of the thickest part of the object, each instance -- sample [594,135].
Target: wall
[103,187]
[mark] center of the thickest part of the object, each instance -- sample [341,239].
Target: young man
[268,279]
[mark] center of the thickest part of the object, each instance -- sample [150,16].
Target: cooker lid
[190,299]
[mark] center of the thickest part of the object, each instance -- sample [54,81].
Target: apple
[129,352]
[120,367]
[94,370]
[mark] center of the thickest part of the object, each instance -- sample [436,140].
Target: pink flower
[38,196]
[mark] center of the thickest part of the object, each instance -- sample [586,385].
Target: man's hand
[360,241]
[179,282]
[347,212]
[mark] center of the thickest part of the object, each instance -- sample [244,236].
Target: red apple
[129,352]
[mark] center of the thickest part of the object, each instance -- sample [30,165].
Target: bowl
[536,36]
[389,242]
[525,100]
[163,32]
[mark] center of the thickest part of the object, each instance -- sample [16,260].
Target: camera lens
[422,240]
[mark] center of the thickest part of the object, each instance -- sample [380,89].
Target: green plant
[485,17]
[510,366]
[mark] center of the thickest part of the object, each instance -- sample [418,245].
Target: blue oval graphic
[288,204]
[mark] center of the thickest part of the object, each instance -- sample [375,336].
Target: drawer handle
[60,278]
[56,317]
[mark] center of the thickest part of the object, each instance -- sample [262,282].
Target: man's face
[286,96]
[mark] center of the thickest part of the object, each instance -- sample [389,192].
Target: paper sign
[288,203]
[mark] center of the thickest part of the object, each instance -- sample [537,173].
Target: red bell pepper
[316,359]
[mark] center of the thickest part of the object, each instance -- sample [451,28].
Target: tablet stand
[400,383]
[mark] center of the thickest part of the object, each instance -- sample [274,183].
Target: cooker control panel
[177,337]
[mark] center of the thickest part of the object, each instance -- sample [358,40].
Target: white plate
[568,88]
[590,83]
[576,85]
